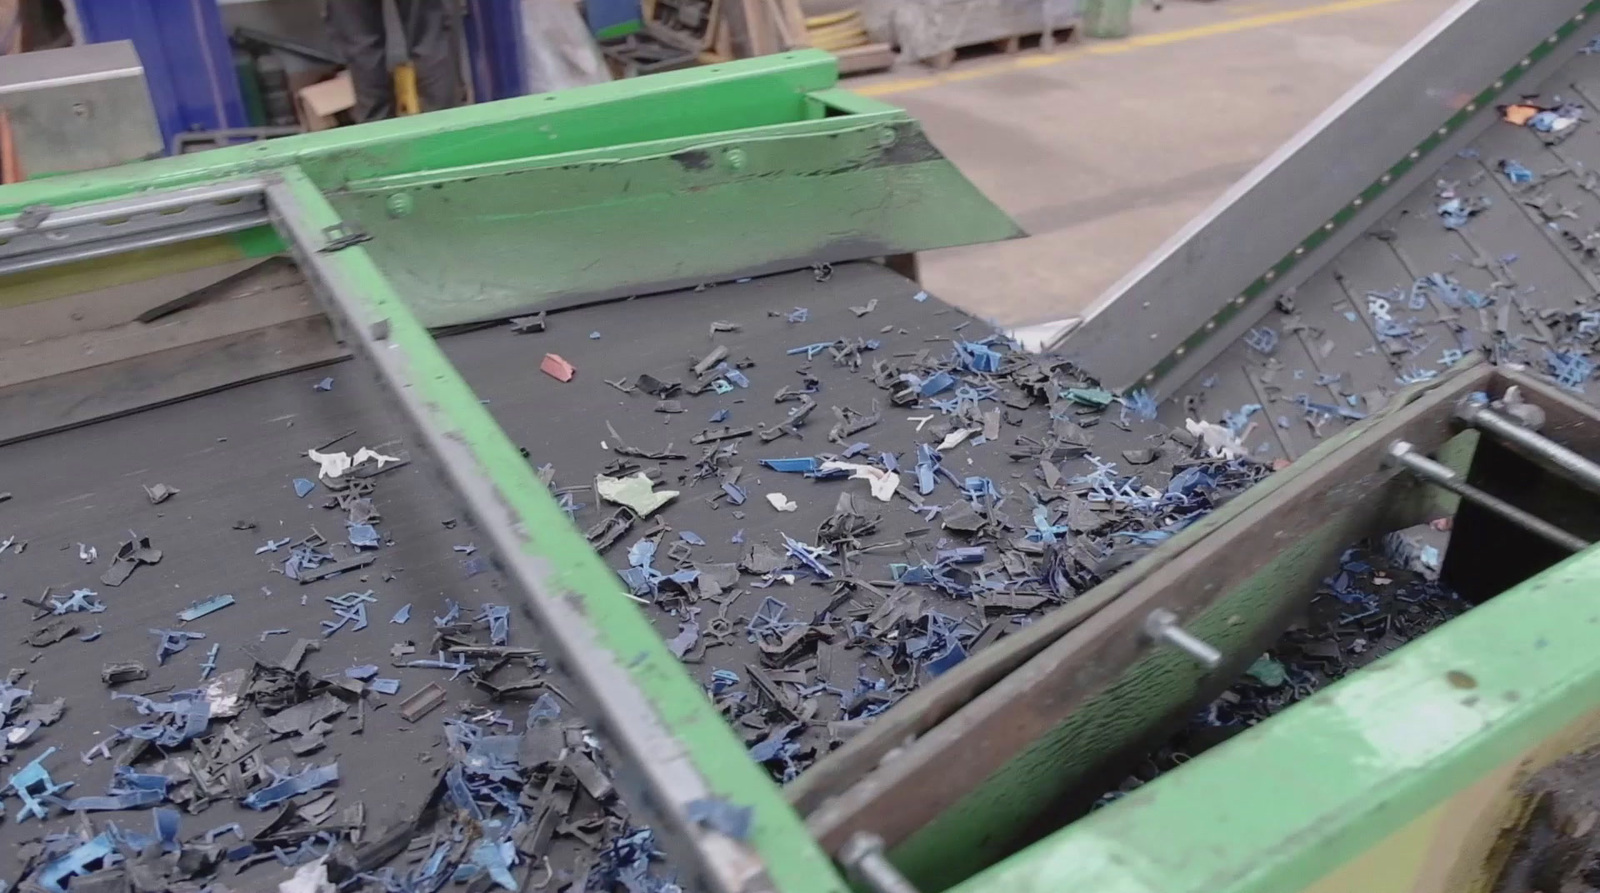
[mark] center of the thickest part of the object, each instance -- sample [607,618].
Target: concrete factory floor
[1104,149]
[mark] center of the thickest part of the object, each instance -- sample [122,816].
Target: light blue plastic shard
[202,608]
[935,384]
[799,465]
[290,786]
[303,487]
[363,672]
[33,784]
[403,615]
[210,666]
[362,536]
[78,860]
[386,686]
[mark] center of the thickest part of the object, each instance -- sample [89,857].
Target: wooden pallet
[1046,40]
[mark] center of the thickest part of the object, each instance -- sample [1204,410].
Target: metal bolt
[1162,626]
[1401,453]
[866,865]
[735,158]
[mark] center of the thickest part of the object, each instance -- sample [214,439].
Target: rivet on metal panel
[1299,250]
[736,158]
[1241,299]
[1578,18]
[1443,130]
[1270,275]
[1358,202]
[1472,106]
[1414,155]
[1211,324]
[886,137]
[1499,85]
[1154,336]
[1328,226]
[1524,63]
[1149,377]
[1552,38]
[398,204]
[1385,179]
[1180,351]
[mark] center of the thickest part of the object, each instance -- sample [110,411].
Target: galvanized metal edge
[673,746]
[1174,310]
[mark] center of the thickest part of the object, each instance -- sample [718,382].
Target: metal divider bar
[673,746]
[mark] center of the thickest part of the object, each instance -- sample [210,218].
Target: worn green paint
[667,214]
[1283,804]
[794,861]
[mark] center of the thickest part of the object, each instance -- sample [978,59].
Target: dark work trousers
[358,30]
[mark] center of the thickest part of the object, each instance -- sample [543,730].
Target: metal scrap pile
[1382,596]
[979,488]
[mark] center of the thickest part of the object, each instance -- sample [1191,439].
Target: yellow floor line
[1111,48]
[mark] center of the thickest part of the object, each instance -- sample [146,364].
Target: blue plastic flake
[594,336]
[1569,369]
[1141,404]
[172,642]
[403,615]
[722,680]
[324,385]
[721,386]
[202,608]
[738,536]
[78,603]
[363,672]
[1515,172]
[286,786]
[692,538]
[79,860]
[769,619]
[733,375]
[920,296]
[927,463]
[953,654]
[386,686]
[720,415]
[978,357]
[210,666]
[363,536]
[499,620]
[720,816]
[302,487]
[34,785]
[1263,340]
[451,614]
[856,449]
[736,494]
[937,383]
[962,555]
[808,555]
[798,314]
[797,465]
[272,545]
[1451,356]
[810,350]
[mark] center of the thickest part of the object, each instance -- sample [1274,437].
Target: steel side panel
[1301,186]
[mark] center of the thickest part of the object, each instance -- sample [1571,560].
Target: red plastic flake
[557,368]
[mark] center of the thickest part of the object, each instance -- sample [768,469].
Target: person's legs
[428,43]
[358,32]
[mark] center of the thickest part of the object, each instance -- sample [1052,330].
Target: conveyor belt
[233,456]
[1411,242]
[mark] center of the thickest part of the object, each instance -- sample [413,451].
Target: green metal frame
[612,190]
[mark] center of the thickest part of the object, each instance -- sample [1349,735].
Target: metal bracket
[342,235]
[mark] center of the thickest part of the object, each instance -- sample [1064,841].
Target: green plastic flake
[1099,398]
[1268,672]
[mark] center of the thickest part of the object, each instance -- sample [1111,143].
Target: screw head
[399,204]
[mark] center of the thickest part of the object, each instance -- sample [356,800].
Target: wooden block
[867,57]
